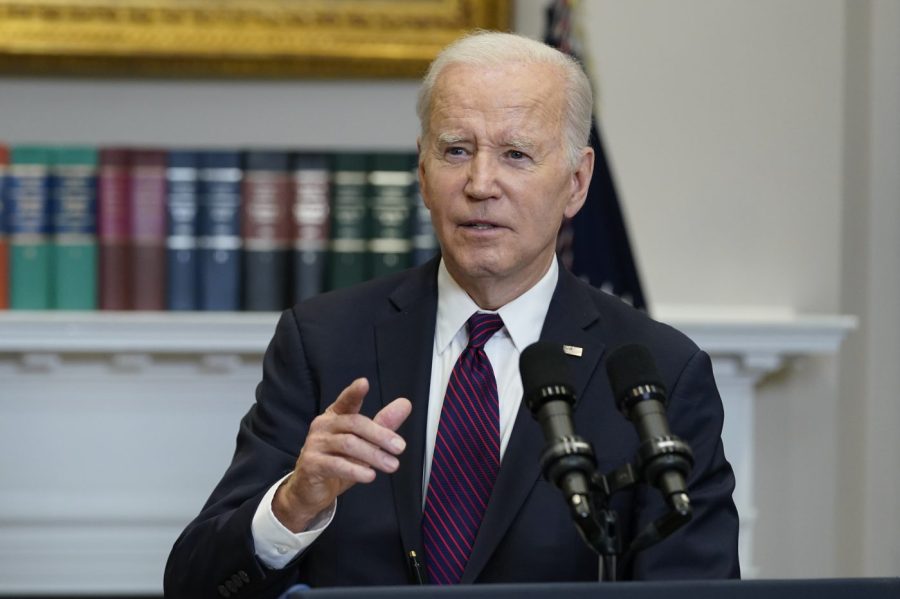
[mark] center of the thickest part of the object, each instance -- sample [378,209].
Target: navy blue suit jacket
[384,330]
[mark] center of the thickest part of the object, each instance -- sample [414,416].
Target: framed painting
[235,38]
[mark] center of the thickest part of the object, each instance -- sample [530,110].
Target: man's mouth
[479,226]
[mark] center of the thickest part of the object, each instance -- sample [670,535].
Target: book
[147,196]
[182,196]
[424,242]
[348,259]
[390,196]
[310,218]
[73,210]
[219,230]
[266,229]
[28,219]
[4,244]
[116,288]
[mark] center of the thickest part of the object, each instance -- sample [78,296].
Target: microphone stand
[596,521]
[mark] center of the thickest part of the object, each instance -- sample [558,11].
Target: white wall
[755,145]
[723,125]
[292,114]
[870,412]
[724,120]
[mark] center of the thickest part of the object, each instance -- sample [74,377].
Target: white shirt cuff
[274,544]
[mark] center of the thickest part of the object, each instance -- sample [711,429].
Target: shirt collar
[523,318]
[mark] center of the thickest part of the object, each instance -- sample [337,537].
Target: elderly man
[403,396]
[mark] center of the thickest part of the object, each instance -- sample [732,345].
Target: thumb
[394,414]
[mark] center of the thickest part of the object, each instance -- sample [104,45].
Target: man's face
[494,174]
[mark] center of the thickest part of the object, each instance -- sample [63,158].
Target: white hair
[495,49]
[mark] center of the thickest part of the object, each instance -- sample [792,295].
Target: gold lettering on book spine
[236,38]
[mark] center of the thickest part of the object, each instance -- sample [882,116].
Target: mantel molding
[136,332]
[98,391]
[248,333]
[754,343]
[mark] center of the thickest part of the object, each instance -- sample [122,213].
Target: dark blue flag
[594,244]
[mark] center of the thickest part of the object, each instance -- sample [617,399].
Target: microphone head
[630,367]
[545,375]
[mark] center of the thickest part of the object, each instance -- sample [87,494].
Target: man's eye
[456,151]
[516,155]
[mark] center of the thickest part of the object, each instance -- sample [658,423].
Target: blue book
[266,229]
[182,198]
[4,245]
[219,230]
[28,219]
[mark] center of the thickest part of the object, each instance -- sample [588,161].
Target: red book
[4,245]
[114,231]
[147,194]
[266,224]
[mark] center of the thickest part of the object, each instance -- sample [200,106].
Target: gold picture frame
[235,38]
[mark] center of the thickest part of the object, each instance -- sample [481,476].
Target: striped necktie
[466,457]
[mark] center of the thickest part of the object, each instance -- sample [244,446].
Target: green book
[348,258]
[390,185]
[29,227]
[424,241]
[73,212]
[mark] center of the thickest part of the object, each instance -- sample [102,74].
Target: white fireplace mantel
[114,427]
[746,345]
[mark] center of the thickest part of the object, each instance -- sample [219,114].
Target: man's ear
[420,170]
[581,181]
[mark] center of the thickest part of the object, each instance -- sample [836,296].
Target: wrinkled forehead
[510,77]
[534,90]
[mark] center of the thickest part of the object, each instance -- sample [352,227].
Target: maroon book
[266,230]
[114,231]
[147,194]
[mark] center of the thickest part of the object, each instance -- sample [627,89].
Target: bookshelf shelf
[139,332]
[131,418]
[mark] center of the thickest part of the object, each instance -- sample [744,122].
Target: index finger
[351,398]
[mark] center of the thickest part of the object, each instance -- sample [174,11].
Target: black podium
[843,588]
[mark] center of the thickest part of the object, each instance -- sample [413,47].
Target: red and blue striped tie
[466,457]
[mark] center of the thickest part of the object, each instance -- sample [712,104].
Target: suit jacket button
[244,576]
[223,591]
[237,580]
[231,586]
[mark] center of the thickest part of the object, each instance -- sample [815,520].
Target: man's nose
[482,179]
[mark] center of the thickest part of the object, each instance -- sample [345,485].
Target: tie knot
[481,326]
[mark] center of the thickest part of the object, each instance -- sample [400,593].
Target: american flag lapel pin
[573,350]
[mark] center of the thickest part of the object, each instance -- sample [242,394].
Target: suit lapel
[569,317]
[404,344]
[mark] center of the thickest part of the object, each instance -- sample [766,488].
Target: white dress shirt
[523,319]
